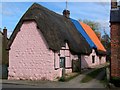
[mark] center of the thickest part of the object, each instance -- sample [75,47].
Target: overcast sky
[11,12]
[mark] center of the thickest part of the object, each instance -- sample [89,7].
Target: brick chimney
[5,53]
[66,13]
[5,32]
[115,39]
[113,4]
[119,5]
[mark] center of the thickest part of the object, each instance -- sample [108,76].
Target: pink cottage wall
[30,58]
[86,61]
[65,52]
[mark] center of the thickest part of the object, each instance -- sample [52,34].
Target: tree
[106,41]
[94,25]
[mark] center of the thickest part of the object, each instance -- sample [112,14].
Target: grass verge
[68,77]
[115,81]
[91,75]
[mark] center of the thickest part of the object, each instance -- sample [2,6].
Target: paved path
[74,83]
[95,82]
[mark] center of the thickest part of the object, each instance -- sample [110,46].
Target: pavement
[74,83]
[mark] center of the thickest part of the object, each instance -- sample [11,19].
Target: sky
[11,12]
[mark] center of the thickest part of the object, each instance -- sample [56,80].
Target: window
[62,62]
[100,57]
[93,59]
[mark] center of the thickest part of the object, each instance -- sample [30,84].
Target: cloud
[10,9]
[90,11]
[9,33]
[0,8]
[7,13]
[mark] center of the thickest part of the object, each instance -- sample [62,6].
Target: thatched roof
[84,34]
[55,28]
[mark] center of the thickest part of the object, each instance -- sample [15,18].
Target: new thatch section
[55,28]
[100,50]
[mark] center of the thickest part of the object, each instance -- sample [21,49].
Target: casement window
[62,62]
[93,59]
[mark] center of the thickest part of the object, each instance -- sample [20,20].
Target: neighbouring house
[1,35]
[3,54]
[42,43]
[98,55]
[115,40]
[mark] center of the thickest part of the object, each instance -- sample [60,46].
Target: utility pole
[66,4]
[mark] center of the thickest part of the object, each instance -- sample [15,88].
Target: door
[62,62]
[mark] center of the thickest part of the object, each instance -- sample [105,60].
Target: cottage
[43,43]
[98,55]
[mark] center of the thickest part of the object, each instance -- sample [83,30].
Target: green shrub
[62,79]
[115,81]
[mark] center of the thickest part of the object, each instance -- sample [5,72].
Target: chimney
[119,5]
[113,4]
[5,32]
[4,48]
[66,13]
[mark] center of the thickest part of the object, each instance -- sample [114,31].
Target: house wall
[115,49]
[64,52]
[30,58]
[86,61]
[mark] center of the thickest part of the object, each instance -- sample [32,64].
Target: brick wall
[115,49]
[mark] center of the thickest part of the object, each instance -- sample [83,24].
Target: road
[74,83]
